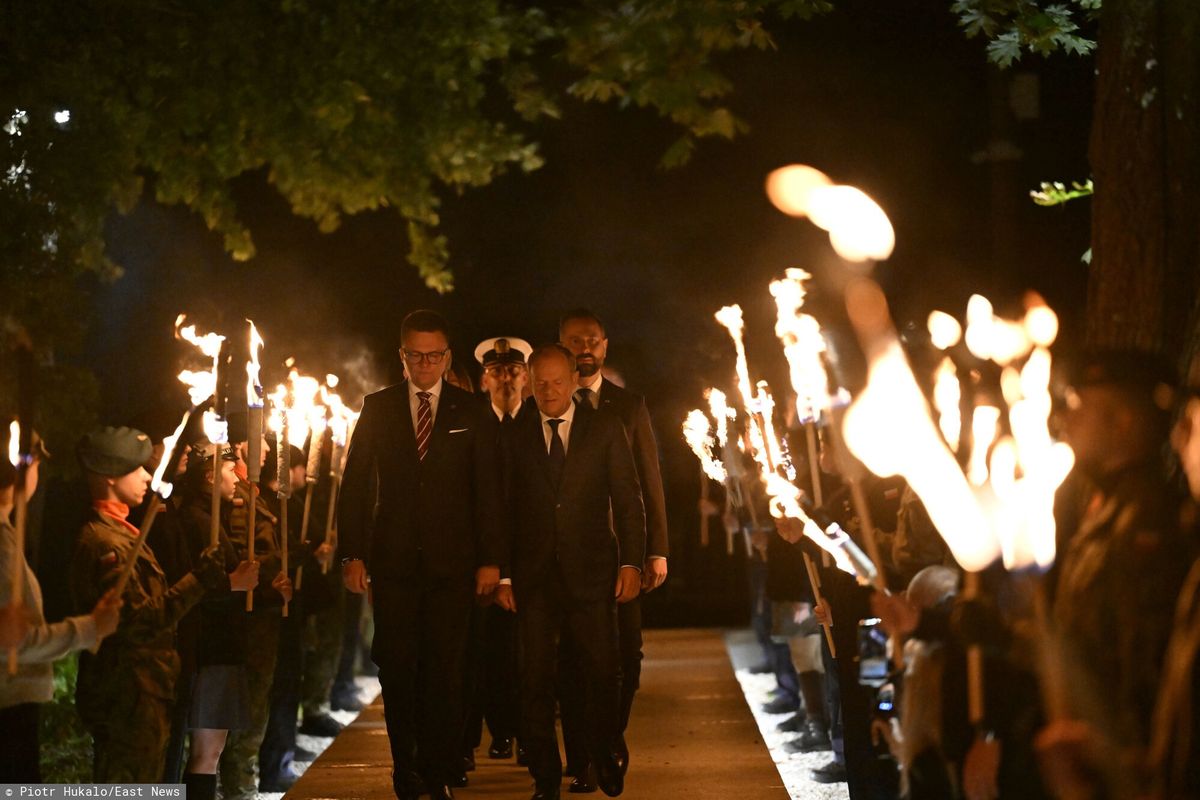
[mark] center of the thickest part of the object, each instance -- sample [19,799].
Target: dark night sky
[886,96]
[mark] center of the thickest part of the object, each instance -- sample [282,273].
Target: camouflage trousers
[239,761]
[130,746]
[323,649]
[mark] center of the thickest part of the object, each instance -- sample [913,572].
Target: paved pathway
[692,737]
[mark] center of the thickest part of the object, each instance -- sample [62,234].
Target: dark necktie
[558,453]
[424,423]
[585,395]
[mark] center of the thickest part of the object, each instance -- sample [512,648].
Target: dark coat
[221,615]
[571,525]
[442,513]
[631,409]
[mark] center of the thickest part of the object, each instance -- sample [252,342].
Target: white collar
[435,390]
[568,416]
[597,380]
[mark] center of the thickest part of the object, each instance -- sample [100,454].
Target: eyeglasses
[433,357]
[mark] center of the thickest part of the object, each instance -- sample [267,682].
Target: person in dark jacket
[218,700]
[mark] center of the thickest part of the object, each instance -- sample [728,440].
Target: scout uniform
[126,689]
[239,761]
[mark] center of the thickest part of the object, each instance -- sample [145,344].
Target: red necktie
[424,424]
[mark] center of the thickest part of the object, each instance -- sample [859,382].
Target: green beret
[114,452]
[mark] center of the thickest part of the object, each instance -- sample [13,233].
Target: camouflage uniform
[239,760]
[126,689]
[1118,579]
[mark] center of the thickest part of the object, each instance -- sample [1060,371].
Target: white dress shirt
[597,382]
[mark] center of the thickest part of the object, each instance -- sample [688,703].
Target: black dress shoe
[622,756]
[459,781]
[468,761]
[833,772]
[322,726]
[793,724]
[441,791]
[813,739]
[501,748]
[522,756]
[406,786]
[545,794]
[781,705]
[609,777]
[584,782]
[345,701]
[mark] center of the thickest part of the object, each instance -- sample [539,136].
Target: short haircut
[580,313]
[424,320]
[549,351]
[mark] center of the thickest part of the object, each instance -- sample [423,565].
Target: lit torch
[312,416]
[341,421]
[254,436]
[201,386]
[17,577]
[767,452]
[803,345]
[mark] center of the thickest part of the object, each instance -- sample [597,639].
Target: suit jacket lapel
[537,441]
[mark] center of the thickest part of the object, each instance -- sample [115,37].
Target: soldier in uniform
[126,689]
[492,654]
[239,761]
[1117,578]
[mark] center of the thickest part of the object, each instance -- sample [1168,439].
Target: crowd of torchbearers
[972,573]
[976,575]
[211,628]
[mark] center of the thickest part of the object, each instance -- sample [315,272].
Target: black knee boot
[199,786]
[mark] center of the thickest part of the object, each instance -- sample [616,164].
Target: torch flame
[14,443]
[947,395]
[858,228]
[721,412]
[157,484]
[1003,506]
[216,430]
[253,386]
[888,427]
[944,330]
[803,345]
[697,431]
[201,385]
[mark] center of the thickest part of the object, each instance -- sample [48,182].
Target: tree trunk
[1145,155]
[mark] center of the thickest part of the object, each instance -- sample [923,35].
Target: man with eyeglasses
[582,332]
[420,514]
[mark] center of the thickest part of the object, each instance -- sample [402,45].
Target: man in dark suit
[429,537]
[578,533]
[582,332]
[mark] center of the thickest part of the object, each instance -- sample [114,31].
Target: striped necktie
[424,424]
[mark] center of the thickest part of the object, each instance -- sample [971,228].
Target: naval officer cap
[113,452]
[502,350]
